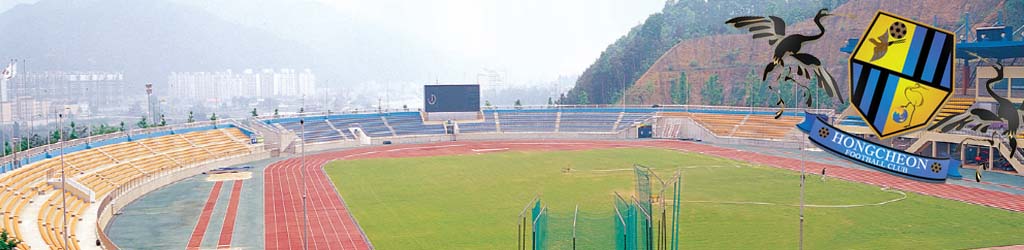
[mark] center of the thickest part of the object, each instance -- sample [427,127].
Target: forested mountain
[623,62]
[725,69]
[712,54]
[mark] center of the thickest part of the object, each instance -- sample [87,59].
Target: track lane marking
[204,218]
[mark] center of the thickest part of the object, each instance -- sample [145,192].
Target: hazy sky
[530,40]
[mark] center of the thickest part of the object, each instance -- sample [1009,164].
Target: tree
[275,112]
[122,126]
[487,103]
[712,91]
[7,242]
[302,110]
[34,141]
[254,114]
[163,122]
[583,98]
[616,98]
[213,117]
[519,104]
[736,94]
[786,93]
[142,123]
[680,90]
[192,118]
[54,137]
[821,99]
[73,135]
[103,129]
[758,90]
[550,101]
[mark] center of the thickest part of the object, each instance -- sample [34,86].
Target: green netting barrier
[677,190]
[625,224]
[647,221]
[643,200]
[595,230]
[525,227]
[540,227]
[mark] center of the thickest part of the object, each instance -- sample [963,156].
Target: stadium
[392,180]
[460,174]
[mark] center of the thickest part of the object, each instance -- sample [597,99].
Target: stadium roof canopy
[997,49]
[987,49]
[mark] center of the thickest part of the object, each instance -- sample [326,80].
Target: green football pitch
[472,202]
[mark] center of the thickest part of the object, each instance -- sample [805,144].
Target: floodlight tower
[63,180]
[302,169]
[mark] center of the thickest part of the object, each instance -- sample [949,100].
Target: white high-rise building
[221,86]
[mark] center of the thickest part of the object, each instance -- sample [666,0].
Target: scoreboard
[451,98]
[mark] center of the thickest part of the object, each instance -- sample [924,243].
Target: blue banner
[875,155]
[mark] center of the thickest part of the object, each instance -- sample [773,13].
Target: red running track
[332,227]
[228,229]
[204,218]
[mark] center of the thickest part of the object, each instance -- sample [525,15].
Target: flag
[8,72]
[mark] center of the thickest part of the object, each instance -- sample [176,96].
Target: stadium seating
[23,188]
[528,120]
[719,124]
[487,126]
[766,127]
[410,123]
[315,131]
[587,122]
[628,118]
[103,169]
[954,106]
[51,219]
[371,124]
[757,126]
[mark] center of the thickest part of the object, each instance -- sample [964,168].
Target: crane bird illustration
[914,99]
[785,45]
[897,31]
[981,120]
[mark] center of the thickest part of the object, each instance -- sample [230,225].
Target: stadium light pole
[803,177]
[302,169]
[63,180]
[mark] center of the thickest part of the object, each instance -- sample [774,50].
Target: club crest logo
[900,74]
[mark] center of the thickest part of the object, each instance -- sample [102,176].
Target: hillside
[734,57]
[624,61]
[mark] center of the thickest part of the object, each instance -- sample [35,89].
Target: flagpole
[3,139]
